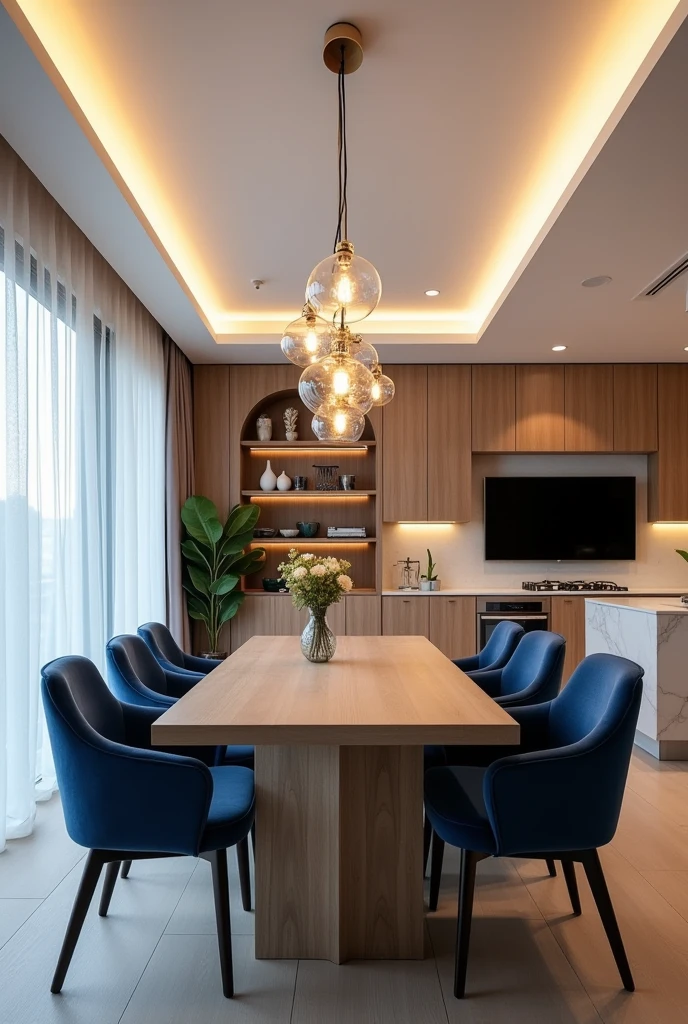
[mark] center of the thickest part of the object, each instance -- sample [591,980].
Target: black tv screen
[567,518]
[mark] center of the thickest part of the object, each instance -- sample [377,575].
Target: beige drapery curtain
[179,470]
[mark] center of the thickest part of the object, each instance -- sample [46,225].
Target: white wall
[458,549]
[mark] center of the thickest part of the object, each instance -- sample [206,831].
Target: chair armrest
[179,683]
[489,680]
[467,664]
[522,698]
[202,665]
[137,731]
[534,723]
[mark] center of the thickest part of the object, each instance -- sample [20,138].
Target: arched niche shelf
[274,406]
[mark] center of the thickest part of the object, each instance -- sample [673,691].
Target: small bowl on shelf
[262,532]
[273,585]
[308,529]
[289,533]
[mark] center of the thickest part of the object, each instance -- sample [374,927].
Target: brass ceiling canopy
[343,40]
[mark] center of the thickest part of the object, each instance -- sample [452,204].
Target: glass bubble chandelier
[342,378]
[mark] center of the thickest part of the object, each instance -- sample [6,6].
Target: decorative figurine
[264,427]
[290,420]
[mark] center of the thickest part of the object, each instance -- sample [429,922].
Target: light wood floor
[154,959]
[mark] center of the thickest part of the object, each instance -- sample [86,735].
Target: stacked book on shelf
[345,532]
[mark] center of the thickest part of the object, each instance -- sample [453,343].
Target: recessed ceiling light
[595,282]
[558,348]
[685,348]
[432,292]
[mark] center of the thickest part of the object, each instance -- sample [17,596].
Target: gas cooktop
[571,585]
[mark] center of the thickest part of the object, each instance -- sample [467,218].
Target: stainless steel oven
[527,612]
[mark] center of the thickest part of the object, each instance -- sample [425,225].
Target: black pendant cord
[343,212]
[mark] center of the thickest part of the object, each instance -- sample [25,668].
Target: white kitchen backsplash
[458,548]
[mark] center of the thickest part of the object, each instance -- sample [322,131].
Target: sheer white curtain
[82,468]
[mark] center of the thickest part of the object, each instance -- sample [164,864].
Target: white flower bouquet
[315,582]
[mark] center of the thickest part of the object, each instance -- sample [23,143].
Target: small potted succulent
[429,580]
[683,554]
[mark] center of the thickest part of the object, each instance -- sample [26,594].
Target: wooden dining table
[339,781]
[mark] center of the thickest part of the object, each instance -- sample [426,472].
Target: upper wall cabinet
[539,408]
[668,483]
[426,464]
[494,408]
[635,408]
[589,408]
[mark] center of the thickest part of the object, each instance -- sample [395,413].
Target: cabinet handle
[452,600]
[406,600]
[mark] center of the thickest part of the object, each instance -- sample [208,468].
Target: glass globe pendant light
[337,378]
[344,287]
[383,388]
[364,352]
[307,339]
[338,421]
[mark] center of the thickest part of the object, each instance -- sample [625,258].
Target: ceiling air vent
[669,275]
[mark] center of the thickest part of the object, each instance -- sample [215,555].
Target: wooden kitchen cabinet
[406,616]
[493,408]
[452,625]
[568,618]
[668,468]
[449,444]
[539,408]
[589,408]
[363,615]
[405,446]
[635,408]
[275,615]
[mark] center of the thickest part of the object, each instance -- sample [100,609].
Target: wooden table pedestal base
[339,851]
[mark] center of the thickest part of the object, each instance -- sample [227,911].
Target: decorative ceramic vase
[264,428]
[283,482]
[318,642]
[430,584]
[268,481]
[290,418]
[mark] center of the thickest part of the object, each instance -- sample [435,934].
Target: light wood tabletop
[376,690]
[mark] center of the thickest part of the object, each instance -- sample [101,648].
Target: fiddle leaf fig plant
[683,554]
[215,560]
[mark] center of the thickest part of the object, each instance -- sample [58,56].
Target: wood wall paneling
[406,616]
[635,408]
[211,434]
[668,490]
[589,407]
[540,408]
[493,408]
[568,618]
[449,443]
[452,625]
[363,615]
[405,433]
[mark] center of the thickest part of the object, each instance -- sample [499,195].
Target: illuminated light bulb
[311,342]
[306,339]
[335,377]
[383,389]
[376,393]
[341,383]
[344,285]
[338,421]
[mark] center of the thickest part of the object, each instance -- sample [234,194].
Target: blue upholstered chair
[558,797]
[124,801]
[532,674]
[502,643]
[169,654]
[135,677]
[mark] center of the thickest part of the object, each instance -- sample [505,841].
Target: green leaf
[683,554]
[241,519]
[249,562]
[200,579]
[194,553]
[223,585]
[235,545]
[230,606]
[199,516]
[197,610]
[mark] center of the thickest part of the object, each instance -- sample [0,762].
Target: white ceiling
[228,116]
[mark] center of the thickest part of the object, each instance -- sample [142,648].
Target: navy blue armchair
[124,801]
[135,677]
[169,654]
[531,676]
[558,798]
[502,643]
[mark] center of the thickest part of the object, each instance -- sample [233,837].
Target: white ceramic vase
[283,481]
[268,481]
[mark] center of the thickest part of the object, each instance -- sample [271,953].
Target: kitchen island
[654,633]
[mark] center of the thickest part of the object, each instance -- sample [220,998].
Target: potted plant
[683,554]
[429,580]
[315,583]
[215,561]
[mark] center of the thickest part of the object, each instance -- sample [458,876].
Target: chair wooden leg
[598,885]
[111,872]
[551,867]
[218,860]
[89,880]
[126,868]
[253,840]
[469,862]
[244,873]
[569,869]
[427,836]
[435,870]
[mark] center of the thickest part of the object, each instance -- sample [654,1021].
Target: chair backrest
[131,668]
[538,659]
[595,700]
[501,645]
[161,642]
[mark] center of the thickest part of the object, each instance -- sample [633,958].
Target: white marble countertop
[649,605]
[507,592]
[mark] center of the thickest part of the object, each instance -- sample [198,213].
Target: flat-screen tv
[565,518]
